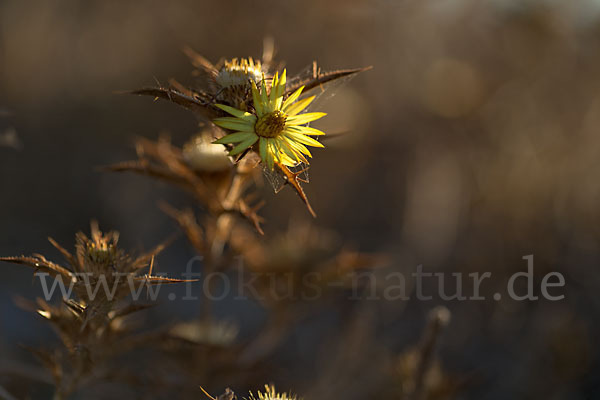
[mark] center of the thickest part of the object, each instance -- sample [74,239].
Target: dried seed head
[270,125]
[239,72]
[204,156]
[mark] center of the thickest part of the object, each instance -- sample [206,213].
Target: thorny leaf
[66,254]
[143,260]
[292,179]
[144,167]
[320,78]
[157,280]
[39,263]
[182,89]
[199,102]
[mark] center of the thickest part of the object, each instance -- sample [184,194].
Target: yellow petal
[297,107]
[305,130]
[299,147]
[269,154]
[256,100]
[281,85]
[304,118]
[276,91]
[292,97]
[287,160]
[287,154]
[274,150]
[290,162]
[303,139]
[264,100]
[288,157]
[273,91]
[274,82]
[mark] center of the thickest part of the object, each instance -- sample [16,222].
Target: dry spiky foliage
[93,324]
[302,254]
[222,192]
[291,274]
[93,328]
[97,259]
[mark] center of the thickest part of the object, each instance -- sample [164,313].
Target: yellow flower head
[271,394]
[276,125]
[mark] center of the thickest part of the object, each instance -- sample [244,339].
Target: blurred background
[472,143]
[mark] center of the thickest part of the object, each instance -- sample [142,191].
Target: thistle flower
[271,394]
[277,125]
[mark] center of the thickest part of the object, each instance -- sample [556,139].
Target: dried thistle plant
[258,118]
[267,121]
[92,324]
[253,115]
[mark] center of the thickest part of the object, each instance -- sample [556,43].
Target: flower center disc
[270,125]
